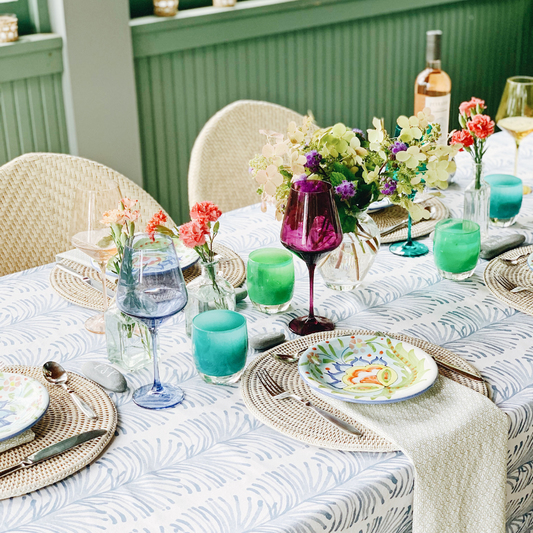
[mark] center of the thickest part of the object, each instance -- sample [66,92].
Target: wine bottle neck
[434,64]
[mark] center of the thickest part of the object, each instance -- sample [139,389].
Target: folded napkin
[457,440]
[22,438]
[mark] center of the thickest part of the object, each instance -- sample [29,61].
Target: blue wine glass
[151,289]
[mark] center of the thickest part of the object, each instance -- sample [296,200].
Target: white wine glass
[89,235]
[515,114]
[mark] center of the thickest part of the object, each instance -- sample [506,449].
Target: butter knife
[53,450]
[91,282]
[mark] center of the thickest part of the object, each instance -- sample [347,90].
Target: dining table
[207,465]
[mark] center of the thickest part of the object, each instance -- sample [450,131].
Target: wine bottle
[433,86]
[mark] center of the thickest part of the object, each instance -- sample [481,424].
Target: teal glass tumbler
[506,193]
[219,345]
[270,279]
[456,248]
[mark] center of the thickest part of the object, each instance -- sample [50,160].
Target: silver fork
[510,286]
[279,394]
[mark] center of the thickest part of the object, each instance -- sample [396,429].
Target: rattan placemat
[295,420]
[61,421]
[519,274]
[77,292]
[395,214]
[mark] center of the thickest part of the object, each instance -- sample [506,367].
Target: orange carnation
[481,126]
[463,137]
[207,211]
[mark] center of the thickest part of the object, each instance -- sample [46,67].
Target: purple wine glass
[311,229]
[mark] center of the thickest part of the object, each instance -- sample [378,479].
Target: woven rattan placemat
[295,420]
[519,274]
[77,292]
[395,214]
[61,421]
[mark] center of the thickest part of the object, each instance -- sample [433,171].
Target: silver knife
[91,282]
[461,371]
[53,450]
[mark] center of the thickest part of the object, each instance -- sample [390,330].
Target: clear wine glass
[89,235]
[151,289]
[515,114]
[311,229]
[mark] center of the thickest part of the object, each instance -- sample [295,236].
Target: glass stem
[409,224]
[311,268]
[104,288]
[516,160]
[157,382]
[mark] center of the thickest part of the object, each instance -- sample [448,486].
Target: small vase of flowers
[476,129]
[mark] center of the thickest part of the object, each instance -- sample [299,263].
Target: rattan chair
[36,197]
[218,169]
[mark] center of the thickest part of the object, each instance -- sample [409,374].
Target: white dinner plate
[378,206]
[23,401]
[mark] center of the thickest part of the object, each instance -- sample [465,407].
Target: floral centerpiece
[209,290]
[476,129]
[361,169]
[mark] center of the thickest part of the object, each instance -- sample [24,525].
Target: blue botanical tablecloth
[207,466]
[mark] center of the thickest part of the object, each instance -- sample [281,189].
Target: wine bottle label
[440,109]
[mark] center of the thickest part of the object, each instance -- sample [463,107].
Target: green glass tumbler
[270,279]
[506,193]
[456,248]
[219,346]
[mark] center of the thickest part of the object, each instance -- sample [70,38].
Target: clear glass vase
[477,200]
[207,292]
[346,267]
[128,341]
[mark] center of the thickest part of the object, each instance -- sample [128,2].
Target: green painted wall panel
[347,71]
[32,117]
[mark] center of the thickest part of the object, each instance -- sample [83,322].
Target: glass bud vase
[346,267]
[477,200]
[207,292]
[128,341]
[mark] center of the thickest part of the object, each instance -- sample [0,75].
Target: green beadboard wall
[32,116]
[344,60]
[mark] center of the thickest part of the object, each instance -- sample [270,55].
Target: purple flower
[359,133]
[388,186]
[300,177]
[345,190]
[313,161]
[398,146]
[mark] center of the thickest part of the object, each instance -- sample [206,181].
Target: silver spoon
[56,374]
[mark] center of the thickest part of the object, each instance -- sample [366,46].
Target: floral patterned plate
[367,369]
[23,401]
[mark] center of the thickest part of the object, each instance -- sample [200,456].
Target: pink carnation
[115,216]
[466,107]
[128,203]
[481,126]
[207,211]
[193,233]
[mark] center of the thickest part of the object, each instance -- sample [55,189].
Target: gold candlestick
[8,28]
[165,8]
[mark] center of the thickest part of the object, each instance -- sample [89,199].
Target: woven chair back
[36,197]
[218,169]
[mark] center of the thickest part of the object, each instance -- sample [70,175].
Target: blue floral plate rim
[38,400]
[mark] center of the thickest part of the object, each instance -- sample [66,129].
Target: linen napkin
[457,440]
[22,438]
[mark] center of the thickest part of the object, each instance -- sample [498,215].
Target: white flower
[412,157]
[270,178]
[437,173]
[410,128]
[356,150]
[377,136]
[274,152]
[297,162]
[295,135]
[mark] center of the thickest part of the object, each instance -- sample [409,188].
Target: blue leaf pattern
[208,466]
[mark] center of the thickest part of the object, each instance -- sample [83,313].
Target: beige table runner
[457,441]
